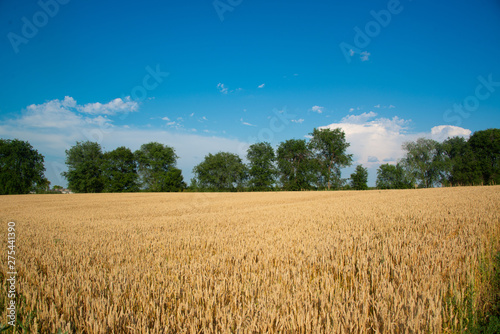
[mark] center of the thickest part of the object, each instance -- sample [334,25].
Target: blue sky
[209,76]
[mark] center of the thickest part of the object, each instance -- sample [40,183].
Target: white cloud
[299,121]
[223,89]
[56,126]
[442,132]
[377,106]
[261,86]
[166,118]
[365,55]
[351,109]
[246,123]
[391,106]
[359,119]
[111,108]
[191,115]
[317,109]
[375,140]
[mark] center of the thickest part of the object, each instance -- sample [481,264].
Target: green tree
[119,171]
[84,173]
[21,168]
[329,148]
[486,146]
[393,177]
[157,168]
[463,167]
[261,168]
[295,165]
[425,161]
[222,171]
[174,181]
[359,178]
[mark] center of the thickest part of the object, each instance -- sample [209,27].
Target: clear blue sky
[242,71]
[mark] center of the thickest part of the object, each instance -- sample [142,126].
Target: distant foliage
[359,179]
[21,168]
[329,150]
[454,162]
[157,168]
[84,161]
[393,177]
[222,171]
[262,169]
[119,171]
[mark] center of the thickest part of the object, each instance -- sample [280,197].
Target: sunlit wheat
[322,262]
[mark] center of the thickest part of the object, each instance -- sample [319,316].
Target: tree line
[296,164]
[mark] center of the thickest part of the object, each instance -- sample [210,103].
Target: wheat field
[403,261]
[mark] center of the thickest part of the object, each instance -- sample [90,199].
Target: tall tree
[222,171]
[21,167]
[295,165]
[119,171]
[393,177]
[425,161]
[486,146]
[359,179]
[84,173]
[464,169]
[157,168]
[261,168]
[329,147]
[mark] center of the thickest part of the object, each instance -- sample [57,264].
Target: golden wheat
[304,262]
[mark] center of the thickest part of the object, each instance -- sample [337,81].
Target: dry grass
[304,262]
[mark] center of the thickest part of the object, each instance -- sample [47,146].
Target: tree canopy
[393,177]
[84,161]
[156,166]
[119,171]
[359,179]
[261,167]
[295,165]
[222,171]
[329,148]
[21,168]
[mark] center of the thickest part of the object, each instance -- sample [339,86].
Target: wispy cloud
[223,89]
[261,86]
[246,123]
[299,121]
[317,109]
[365,56]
